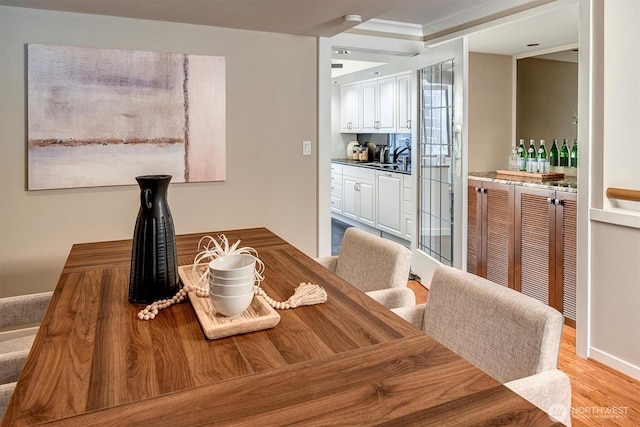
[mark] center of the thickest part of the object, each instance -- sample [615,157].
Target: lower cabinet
[546,245]
[490,231]
[358,194]
[389,187]
[525,238]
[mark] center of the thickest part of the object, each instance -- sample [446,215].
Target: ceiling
[322,18]
[419,20]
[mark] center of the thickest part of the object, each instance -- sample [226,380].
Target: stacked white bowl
[231,283]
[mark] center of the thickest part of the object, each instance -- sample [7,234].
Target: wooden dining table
[348,361]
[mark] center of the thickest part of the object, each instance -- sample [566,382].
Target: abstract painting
[101,117]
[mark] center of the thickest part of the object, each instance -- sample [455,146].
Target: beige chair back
[371,262]
[503,332]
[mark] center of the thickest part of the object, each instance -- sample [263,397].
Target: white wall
[614,262]
[271,109]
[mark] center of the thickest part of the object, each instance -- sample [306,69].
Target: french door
[440,169]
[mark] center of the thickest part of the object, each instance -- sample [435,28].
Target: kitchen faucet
[399,151]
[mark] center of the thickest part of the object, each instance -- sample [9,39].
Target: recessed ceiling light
[533,44]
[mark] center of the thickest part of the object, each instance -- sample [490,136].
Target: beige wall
[547,100]
[271,109]
[490,111]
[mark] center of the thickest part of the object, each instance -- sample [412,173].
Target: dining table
[346,362]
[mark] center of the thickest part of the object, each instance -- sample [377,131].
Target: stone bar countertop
[569,184]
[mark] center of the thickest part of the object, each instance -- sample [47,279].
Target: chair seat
[17,344]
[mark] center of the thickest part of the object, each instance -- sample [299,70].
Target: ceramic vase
[154,261]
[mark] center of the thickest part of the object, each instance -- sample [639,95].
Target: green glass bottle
[564,154]
[543,162]
[553,154]
[574,154]
[532,161]
[522,156]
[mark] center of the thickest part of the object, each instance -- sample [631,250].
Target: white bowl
[231,290]
[231,282]
[231,305]
[233,266]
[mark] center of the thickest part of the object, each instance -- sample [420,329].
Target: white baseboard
[620,365]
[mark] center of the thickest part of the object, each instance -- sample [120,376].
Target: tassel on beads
[305,294]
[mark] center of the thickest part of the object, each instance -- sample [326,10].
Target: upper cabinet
[350,106]
[377,106]
[403,96]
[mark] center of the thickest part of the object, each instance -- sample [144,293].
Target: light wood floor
[601,396]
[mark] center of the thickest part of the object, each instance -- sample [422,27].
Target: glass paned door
[439,164]
[435,181]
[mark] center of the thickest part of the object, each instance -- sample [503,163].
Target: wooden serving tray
[260,315]
[551,176]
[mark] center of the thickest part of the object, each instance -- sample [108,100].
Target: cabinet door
[498,231]
[389,188]
[369,102]
[367,202]
[474,228]
[403,91]
[350,108]
[349,197]
[490,231]
[534,263]
[566,216]
[387,105]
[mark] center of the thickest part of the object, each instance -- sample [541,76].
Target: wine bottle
[522,156]
[532,161]
[564,154]
[553,154]
[574,154]
[543,163]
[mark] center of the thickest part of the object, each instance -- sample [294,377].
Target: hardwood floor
[601,396]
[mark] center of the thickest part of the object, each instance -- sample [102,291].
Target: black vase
[154,260]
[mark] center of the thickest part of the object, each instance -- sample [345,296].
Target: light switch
[306,148]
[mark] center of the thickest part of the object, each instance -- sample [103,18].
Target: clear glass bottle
[564,154]
[514,160]
[522,156]
[543,162]
[532,161]
[553,154]
[574,154]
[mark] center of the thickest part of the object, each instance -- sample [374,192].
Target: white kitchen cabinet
[358,194]
[350,108]
[403,98]
[408,206]
[389,189]
[336,188]
[379,105]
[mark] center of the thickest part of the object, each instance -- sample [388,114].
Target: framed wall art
[101,117]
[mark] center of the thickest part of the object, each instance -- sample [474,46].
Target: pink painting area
[101,117]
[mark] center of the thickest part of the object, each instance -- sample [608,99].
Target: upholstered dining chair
[371,263]
[508,335]
[19,317]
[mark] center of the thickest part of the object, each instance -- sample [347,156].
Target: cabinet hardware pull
[408,124]
[550,200]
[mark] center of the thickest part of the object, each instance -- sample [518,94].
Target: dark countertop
[389,167]
[569,184]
